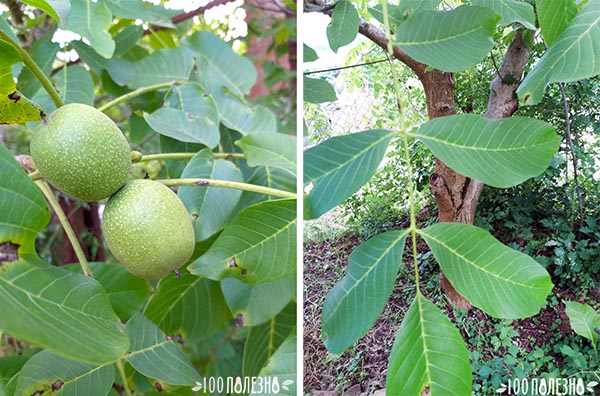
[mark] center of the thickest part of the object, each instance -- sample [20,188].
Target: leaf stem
[47,191]
[123,376]
[228,184]
[35,70]
[35,175]
[409,169]
[133,94]
[139,157]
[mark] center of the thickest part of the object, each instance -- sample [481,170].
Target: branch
[187,15]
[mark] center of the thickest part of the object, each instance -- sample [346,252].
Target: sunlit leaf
[270,149]
[59,10]
[258,246]
[47,371]
[500,153]
[74,85]
[188,115]
[8,57]
[451,41]
[165,65]
[585,321]
[245,118]
[91,20]
[339,166]
[554,16]
[216,60]
[155,355]
[511,11]
[568,58]
[429,355]
[146,11]
[317,90]
[343,27]
[503,282]
[355,302]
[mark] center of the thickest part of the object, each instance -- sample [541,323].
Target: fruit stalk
[139,157]
[228,184]
[123,376]
[133,94]
[35,70]
[47,191]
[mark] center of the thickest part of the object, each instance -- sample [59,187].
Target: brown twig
[187,15]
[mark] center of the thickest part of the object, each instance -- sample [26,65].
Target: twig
[228,184]
[346,67]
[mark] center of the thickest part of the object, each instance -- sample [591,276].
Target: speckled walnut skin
[148,229]
[81,152]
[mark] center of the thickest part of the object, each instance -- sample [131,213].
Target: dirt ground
[361,370]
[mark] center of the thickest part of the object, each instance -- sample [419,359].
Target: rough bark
[455,194]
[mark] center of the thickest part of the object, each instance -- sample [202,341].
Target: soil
[361,370]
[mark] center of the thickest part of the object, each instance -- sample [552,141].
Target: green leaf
[44,54]
[43,304]
[317,90]
[500,153]
[281,368]
[310,55]
[162,66]
[451,41]
[188,115]
[395,14]
[127,293]
[554,16]
[264,340]
[210,208]
[23,209]
[245,118]
[339,166]
[8,57]
[127,38]
[584,320]
[355,302]
[46,370]
[138,9]
[343,27]
[568,58]
[259,246]
[74,84]
[217,61]
[190,305]
[157,356]
[428,353]
[89,56]
[91,20]
[511,11]
[270,149]
[252,305]
[268,177]
[16,109]
[57,9]
[501,281]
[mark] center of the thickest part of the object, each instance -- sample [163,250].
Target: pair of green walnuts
[82,152]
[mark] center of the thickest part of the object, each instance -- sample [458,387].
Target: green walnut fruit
[81,152]
[148,229]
